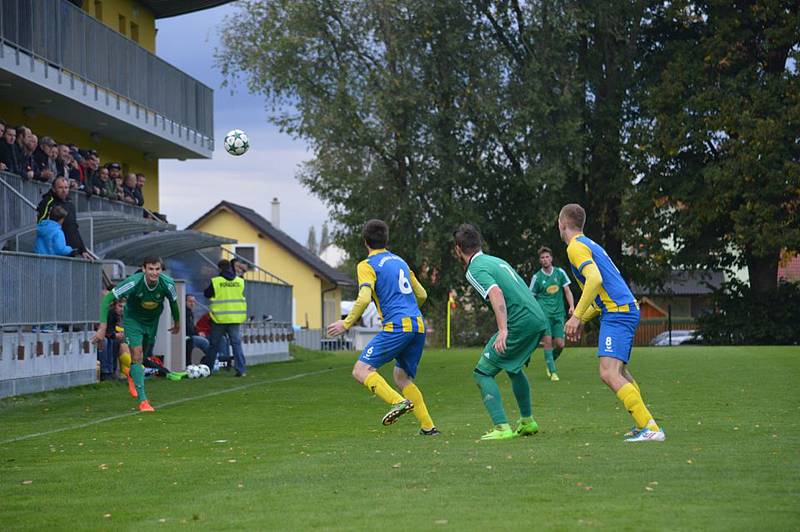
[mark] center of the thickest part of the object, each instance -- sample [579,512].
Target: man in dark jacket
[59,195]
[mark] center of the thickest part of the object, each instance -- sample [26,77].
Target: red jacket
[203,325]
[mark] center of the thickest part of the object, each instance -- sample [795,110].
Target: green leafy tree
[716,142]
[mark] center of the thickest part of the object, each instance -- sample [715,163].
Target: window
[98,9]
[123,25]
[135,32]
[247,252]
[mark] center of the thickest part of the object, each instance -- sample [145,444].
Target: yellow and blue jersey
[393,287]
[614,296]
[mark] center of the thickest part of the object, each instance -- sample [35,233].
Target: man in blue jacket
[50,238]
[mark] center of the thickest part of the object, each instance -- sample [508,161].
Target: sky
[190,188]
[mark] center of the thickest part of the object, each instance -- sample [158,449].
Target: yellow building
[316,286]
[85,72]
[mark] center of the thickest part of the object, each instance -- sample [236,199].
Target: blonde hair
[574,216]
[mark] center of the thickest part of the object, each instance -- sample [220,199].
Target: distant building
[316,285]
[688,292]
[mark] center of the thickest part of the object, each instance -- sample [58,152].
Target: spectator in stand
[114,337]
[58,195]
[140,181]
[194,338]
[63,161]
[27,168]
[17,165]
[50,238]
[44,158]
[129,190]
[3,126]
[80,171]
[91,165]
[115,175]
[102,185]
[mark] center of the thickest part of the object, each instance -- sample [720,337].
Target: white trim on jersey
[478,288]
[565,277]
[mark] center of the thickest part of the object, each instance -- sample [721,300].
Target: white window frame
[248,245]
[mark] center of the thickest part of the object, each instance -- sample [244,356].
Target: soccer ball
[193,371]
[236,142]
[204,371]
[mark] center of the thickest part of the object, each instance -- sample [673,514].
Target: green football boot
[176,375]
[526,428]
[500,433]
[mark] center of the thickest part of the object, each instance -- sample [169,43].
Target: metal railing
[316,340]
[38,289]
[66,37]
[19,198]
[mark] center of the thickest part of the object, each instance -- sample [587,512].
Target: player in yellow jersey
[385,278]
[606,293]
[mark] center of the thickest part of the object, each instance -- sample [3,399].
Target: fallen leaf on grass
[27,482]
[396,466]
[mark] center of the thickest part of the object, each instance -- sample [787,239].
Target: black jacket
[70,227]
[209,292]
[191,330]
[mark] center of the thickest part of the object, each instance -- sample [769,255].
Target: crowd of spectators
[43,159]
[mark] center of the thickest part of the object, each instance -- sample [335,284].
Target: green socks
[137,374]
[522,393]
[557,353]
[490,393]
[549,360]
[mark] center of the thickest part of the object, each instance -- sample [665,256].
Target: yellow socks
[632,400]
[381,388]
[636,385]
[412,393]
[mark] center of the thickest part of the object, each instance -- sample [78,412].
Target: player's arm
[534,286]
[592,286]
[419,291]
[568,294]
[498,302]
[366,284]
[172,296]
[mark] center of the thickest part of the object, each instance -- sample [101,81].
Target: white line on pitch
[169,403]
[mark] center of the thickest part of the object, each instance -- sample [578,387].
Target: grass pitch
[299,445]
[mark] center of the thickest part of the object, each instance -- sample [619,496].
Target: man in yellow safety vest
[228,310]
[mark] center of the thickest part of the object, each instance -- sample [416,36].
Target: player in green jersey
[549,287]
[144,292]
[520,326]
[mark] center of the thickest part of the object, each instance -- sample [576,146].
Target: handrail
[238,257]
[17,193]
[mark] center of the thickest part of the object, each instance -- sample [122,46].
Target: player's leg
[550,364]
[404,373]
[616,340]
[378,352]
[558,336]
[519,348]
[125,363]
[137,375]
[484,374]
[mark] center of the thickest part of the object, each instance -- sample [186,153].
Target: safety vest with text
[228,304]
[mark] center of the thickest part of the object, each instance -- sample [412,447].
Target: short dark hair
[468,238]
[545,249]
[224,264]
[58,213]
[574,215]
[376,234]
[152,259]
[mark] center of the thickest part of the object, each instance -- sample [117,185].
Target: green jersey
[548,289]
[144,302]
[485,271]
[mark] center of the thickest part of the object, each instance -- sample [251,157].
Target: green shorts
[555,326]
[138,334]
[519,347]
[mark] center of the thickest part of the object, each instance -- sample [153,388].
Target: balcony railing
[63,35]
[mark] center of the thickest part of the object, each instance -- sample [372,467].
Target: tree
[311,243]
[716,142]
[325,239]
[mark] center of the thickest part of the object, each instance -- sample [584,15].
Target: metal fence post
[669,323]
